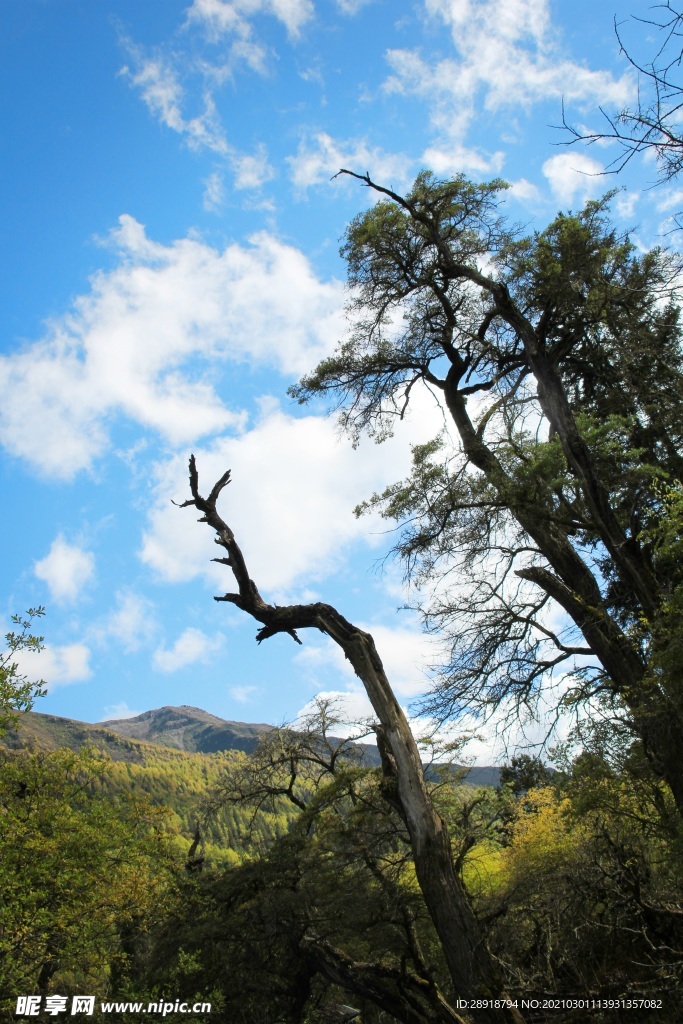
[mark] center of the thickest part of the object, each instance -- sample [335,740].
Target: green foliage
[524,772]
[341,883]
[578,881]
[529,527]
[591,882]
[17,692]
[73,870]
[93,851]
[167,778]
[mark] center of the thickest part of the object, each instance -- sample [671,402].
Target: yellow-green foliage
[175,779]
[74,869]
[484,870]
[544,837]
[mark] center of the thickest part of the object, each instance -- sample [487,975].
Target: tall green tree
[557,361]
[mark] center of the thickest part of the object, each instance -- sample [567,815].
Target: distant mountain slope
[185,728]
[166,775]
[189,729]
[50,732]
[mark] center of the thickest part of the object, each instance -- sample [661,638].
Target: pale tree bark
[473,972]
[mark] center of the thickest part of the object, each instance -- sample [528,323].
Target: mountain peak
[188,728]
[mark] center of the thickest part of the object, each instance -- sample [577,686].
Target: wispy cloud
[214,191]
[131,623]
[157,81]
[320,156]
[234,17]
[351,7]
[117,712]
[242,694]
[171,83]
[139,343]
[507,55]
[252,170]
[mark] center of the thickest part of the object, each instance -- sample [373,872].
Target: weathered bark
[407,998]
[471,968]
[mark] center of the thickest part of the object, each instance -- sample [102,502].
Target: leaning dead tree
[472,970]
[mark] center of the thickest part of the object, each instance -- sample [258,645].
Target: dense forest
[300,896]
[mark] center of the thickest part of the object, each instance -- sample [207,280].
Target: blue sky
[171,266]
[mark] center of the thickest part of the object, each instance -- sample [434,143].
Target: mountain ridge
[189,728]
[183,728]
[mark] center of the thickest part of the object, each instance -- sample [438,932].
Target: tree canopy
[556,358]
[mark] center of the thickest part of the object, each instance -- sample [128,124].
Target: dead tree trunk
[473,972]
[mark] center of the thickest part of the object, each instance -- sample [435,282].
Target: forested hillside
[297,894]
[177,780]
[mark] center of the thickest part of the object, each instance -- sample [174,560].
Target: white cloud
[117,712]
[231,17]
[525,191]
[132,623]
[214,192]
[351,707]
[447,161]
[320,157]
[252,170]
[573,175]
[290,503]
[492,742]
[507,55]
[670,199]
[352,6]
[157,81]
[66,569]
[192,645]
[406,653]
[157,78]
[139,343]
[625,204]
[57,665]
